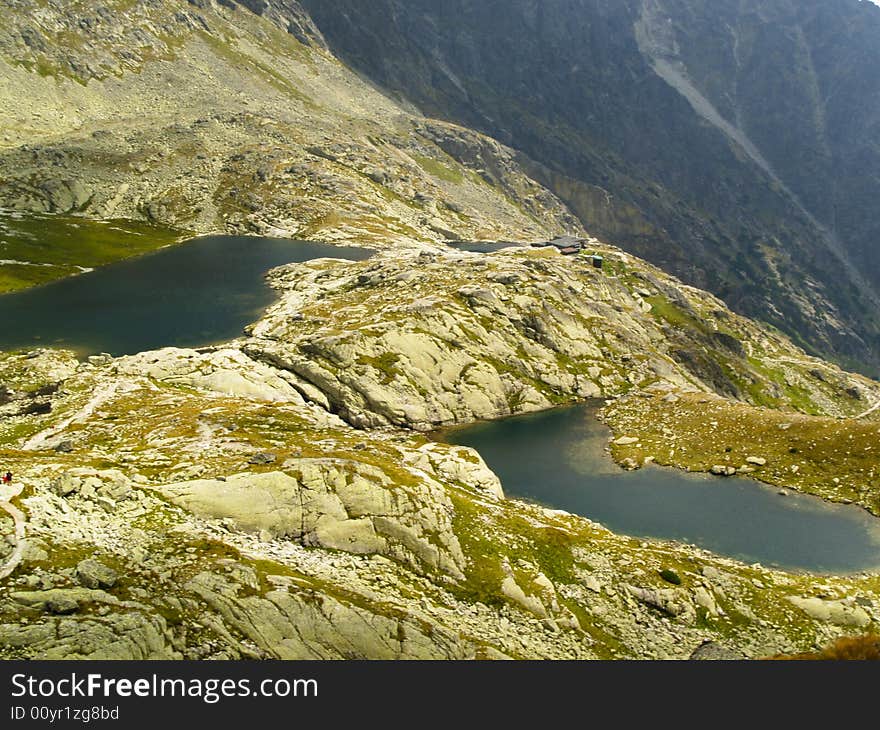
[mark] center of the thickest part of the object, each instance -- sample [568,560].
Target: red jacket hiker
[7,478]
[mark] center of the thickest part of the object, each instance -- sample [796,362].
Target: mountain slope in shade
[735,144]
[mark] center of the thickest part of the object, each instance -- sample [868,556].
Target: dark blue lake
[197,293]
[557,458]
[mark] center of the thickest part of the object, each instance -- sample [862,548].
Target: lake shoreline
[751,499]
[202,292]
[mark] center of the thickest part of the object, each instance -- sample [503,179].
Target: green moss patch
[38,249]
[439,169]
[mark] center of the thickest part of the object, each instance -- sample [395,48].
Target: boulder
[66,484]
[262,458]
[62,600]
[93,574]
[532,604]
[705,600]
[464,465]
[834,612]
[61,606]
[710,651]
[65,196]
[669,601]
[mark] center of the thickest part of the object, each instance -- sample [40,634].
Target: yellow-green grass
[37,249]
[838,459]
[439,169]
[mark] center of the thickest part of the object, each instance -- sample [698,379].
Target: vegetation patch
[38,249]
[670,576]
[438,169]
[855,648]
[832,458]
[386,364]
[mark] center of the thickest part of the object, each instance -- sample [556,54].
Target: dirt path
[870,410]
[101,396]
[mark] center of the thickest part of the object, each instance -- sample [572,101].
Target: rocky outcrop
[459,465]
[288,15]
[430,340]
[123,636]
[835,612]
[226,371]
[93,574]
[336,505]
[303,624]
[62,196]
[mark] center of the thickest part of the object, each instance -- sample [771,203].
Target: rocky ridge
[434,339]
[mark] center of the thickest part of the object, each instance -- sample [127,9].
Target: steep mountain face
[234,117]
[734,144]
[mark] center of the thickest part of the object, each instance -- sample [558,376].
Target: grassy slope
[833,458]
[46,248]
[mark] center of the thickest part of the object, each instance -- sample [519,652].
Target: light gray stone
[93,574]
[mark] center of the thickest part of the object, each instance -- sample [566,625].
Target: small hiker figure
[7,478]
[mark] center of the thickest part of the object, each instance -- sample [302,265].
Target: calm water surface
[556,458]
[198,293]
